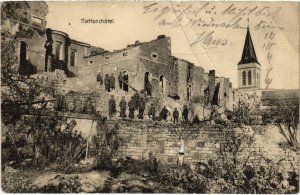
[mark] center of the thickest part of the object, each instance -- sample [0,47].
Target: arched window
[126,81]
[244,78]
[72,58]
[58,51]
[23,57]
[162,84]
[189,91]
[23,52]
[147,79]
[189,74]
[249,78]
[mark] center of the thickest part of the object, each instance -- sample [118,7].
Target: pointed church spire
[249,55]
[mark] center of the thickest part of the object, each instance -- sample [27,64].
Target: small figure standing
[164,114]
[136,99]
[112,106]
[123,107]
[151,112]
[99,78]
[141,106]
[185,114]
[107,83]
[131,106]
[175,115]
[196,120]
[120,80]
[112,82]
[149,89]
[180,152]
[49,48]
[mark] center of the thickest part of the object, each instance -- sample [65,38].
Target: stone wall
[137,60]
[200,144]
[164,143]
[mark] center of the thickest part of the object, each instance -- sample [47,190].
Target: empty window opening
[162,84]
[23,55]
[91,62]
[189,74]
[58,50]
[125,81]
[73,58]
[147,79]
[154,56]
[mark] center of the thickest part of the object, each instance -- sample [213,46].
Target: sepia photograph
[150,97]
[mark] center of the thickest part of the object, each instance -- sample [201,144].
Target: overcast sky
[131,23]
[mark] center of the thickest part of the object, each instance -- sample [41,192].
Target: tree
[247,107]
[106,143]
[15,86]
[284,113]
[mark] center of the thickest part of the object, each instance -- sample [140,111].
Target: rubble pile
[70,183]
[97,182]
[272,151]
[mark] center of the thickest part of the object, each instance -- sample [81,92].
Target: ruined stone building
[149,62]
[139,63]
[39,49]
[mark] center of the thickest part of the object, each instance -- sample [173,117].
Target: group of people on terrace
[138,104]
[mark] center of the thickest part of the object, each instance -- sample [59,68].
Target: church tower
[249,69]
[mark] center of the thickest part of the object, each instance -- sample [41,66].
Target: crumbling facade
[139,63]
[149,62]
[39,49]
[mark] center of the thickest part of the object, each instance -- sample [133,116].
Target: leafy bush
[106,143]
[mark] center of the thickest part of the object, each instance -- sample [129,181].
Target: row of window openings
[153,56]
[58,52]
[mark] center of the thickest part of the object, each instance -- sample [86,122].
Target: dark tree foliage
[284,113]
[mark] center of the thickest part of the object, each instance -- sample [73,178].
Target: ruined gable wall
[81,51]
[162,65]
[224,91]
[35,51]
[198,81]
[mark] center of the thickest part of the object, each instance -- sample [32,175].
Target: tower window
[244,78]
[249,78]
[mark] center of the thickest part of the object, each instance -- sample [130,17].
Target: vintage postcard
[150,97]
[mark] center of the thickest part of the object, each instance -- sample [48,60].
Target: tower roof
[249,55]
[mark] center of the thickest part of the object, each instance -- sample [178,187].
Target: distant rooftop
[280,94]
